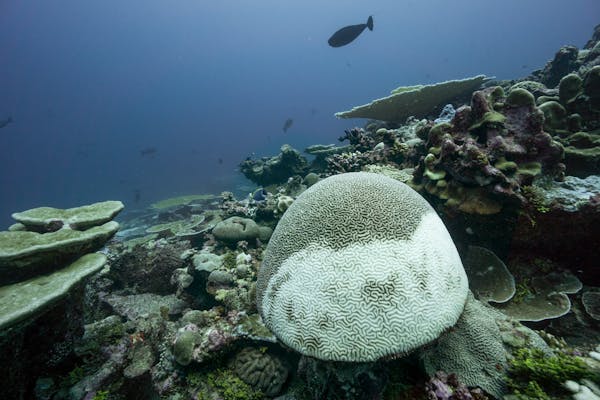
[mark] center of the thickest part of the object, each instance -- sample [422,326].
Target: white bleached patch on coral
[368,300]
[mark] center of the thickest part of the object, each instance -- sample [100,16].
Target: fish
[4,122]
[137,195]
[288,124]
[220,160]
[148,151]
[348,33]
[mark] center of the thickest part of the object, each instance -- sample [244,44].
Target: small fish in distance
[288,124]
[348,33]
[4,122]
[149,151]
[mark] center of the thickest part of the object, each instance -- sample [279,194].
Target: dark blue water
[205,84]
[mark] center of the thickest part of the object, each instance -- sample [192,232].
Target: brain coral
[360,267]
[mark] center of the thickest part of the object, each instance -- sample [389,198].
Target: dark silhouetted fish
[288,124]
[137,195]
[220,160]
[4,122]
[348,33]
[148,151]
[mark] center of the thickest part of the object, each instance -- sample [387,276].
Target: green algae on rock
[25,300]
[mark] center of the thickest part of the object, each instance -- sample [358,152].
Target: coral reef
[478,162]
[360,292]
[147,267]
[278,169]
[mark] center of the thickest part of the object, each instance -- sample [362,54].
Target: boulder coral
[389,276]
[479,160]
[278,169]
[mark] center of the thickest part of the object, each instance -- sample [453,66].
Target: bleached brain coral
[358,268]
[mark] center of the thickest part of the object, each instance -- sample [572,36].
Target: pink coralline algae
[446,387]
[488,151]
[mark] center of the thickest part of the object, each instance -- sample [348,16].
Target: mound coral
[389,277]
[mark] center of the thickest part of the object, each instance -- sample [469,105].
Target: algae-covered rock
[141,358]
[25,300]
[23,252]
[569,87]
[417,101]
[591,85]
[554,115]
[185,342]
[46,219]
[520,98]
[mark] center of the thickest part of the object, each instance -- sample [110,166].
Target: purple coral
[447,387]
[496,145]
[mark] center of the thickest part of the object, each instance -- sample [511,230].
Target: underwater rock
[563,63]
[147,268]
[562,222]
[135,306]
[235,229]
[274,170]
[330,380]
[99,334]
[206,261]
[214,335]
[478,162]
[582,153]
[443,386]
